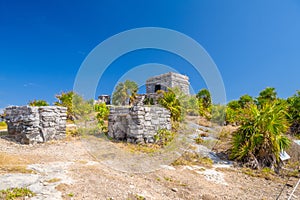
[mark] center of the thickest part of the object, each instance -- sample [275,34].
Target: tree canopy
[124,93]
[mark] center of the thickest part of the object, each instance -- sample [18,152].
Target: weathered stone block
[36,124]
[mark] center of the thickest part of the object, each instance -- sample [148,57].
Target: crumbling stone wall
[137,124]
[29,124]
[168,80]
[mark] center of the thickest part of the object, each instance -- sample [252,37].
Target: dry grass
[53,180]
[3,126]
[191,158]
[139,148]
[13,164]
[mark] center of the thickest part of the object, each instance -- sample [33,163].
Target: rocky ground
[72,169]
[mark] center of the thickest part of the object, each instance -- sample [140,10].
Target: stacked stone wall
[27,124]
[137,124]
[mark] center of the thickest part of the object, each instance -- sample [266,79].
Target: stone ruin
[28,125]
[103,99]
[140,122]
[137,124]
[168,80]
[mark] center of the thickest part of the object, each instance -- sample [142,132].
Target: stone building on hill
[168,80]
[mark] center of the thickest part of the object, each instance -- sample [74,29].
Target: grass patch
[53,180]
[192,158]
[265,173]
[135,197]
[140,148]
[16,193]
[13,164]
[199,140]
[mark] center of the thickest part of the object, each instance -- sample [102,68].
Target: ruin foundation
[137,124]
[28,125]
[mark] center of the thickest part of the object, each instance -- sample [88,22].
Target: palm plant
[170,102]
[261,137]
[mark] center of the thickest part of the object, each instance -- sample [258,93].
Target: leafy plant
[65,99]
[268,95]
[204,103]
[260,139]
[218,114]
[205,97]
[38,103]
[14,193]
[170,102]
[164,137]
[294,113]
[125,93]
[148,101]
[102,115]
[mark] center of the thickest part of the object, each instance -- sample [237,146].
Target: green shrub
[261,137]
[102,115]
[16,193]
[164,137]
[172,103]
[38,103]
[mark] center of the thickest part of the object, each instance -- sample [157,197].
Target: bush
[102,115]
[14,193]
[38,103]
[260,139]
[172,103]
[164,137]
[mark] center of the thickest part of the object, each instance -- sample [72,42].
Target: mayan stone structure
[168,80]
[137,124]
[28,125]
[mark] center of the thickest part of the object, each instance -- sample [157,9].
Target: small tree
[102,115]
[204,94]
[245,100]
[294,113]
[38,103]
[125,92]
[266,96]
[65,99]
[204,103]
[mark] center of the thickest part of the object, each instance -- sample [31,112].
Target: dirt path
[68,170]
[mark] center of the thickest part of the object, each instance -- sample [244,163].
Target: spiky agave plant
[261,137]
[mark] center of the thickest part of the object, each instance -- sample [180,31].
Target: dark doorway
[157,87]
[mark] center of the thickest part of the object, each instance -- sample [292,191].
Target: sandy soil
[94,179]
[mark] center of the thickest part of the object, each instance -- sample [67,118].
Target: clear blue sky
[255,43]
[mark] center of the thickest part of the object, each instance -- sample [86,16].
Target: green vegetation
[16,193]
[204,103]
[294,113]
[65,99]
[3,125]
[199,140]
[164,137]
[172,103]
[125,93]
[260,138]
[38,103]
[268,95]
[102,115]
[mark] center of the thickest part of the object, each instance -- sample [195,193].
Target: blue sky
[255,44]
